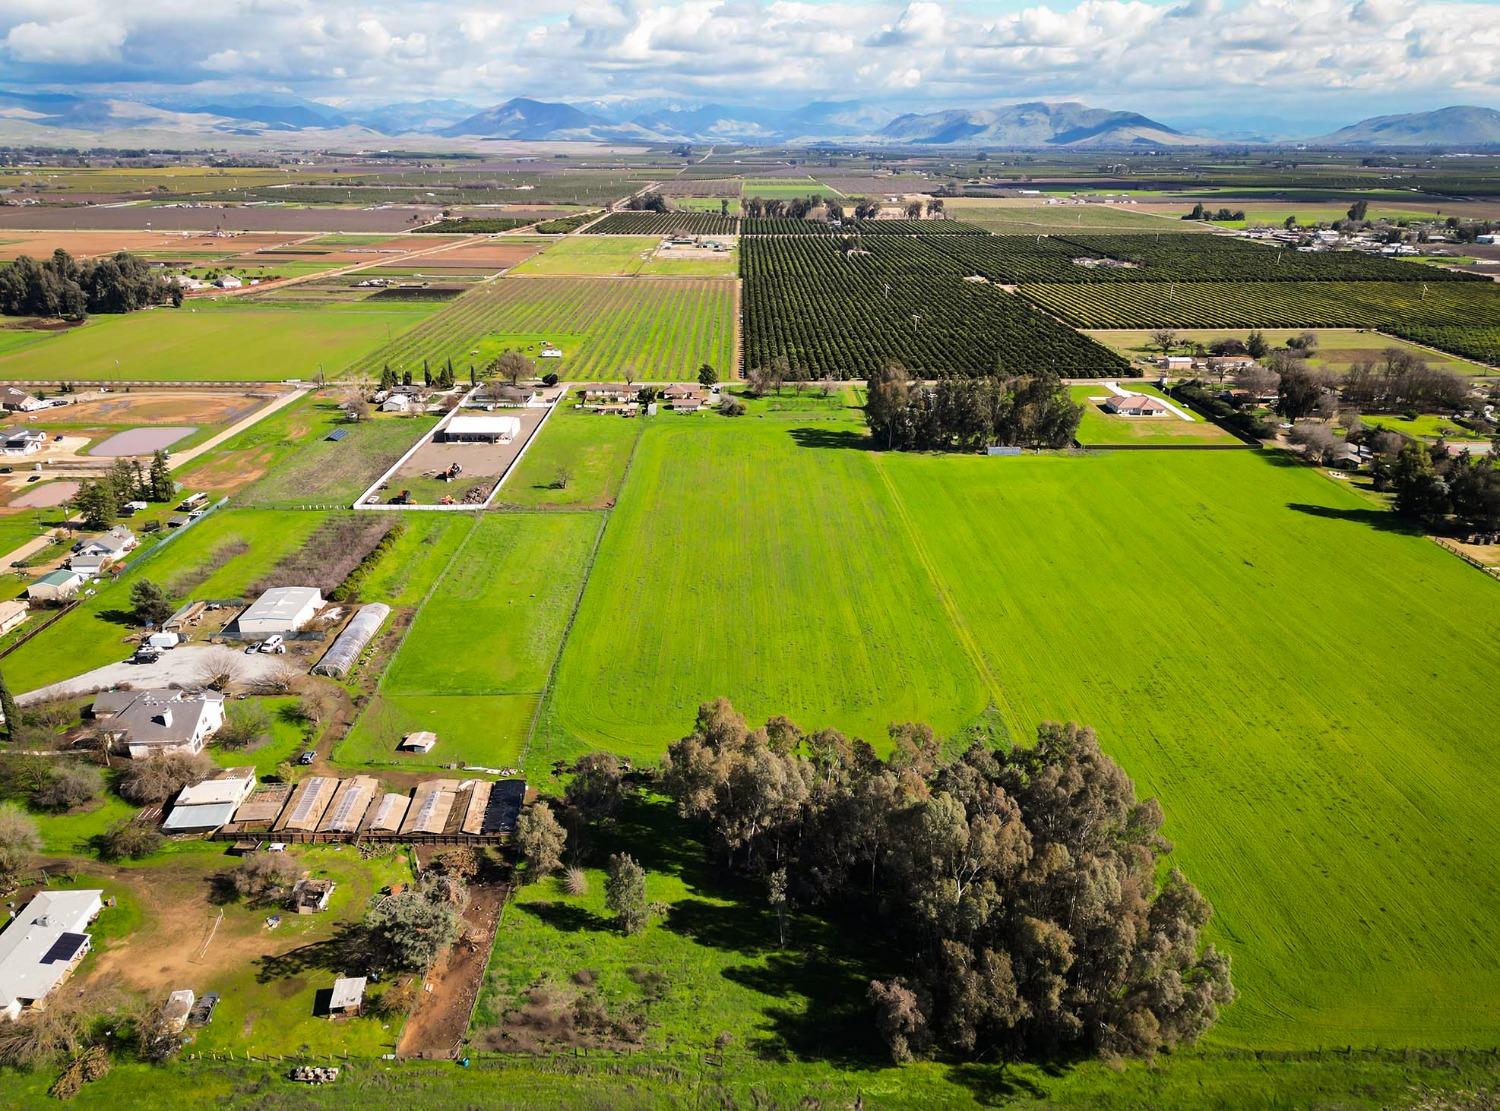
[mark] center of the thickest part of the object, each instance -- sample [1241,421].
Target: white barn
[282,609]
[482,430]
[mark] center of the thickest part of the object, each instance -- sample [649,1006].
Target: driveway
[183,666]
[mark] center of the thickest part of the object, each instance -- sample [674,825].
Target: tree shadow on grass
[565,917]
[117,616]
[844,438]
[650,830]
[1382,519]
[347,950]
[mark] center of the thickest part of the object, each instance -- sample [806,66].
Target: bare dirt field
[154,406]
[437,1025]
[45,495]
[87,243]
[209,218]
[141,441]
[479,461]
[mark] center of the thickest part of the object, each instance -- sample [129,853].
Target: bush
[18,840]
[246,726]
[262,876]
[69,786]
[153,781]
[576,882]
[128,839]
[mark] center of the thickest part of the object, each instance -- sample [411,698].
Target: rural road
[183,666]
[179,458]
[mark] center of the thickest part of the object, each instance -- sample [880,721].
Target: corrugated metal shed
[349,804]
[478,801]
[504,808]
[389,813]
[309,800]
[430,806]
[351,642]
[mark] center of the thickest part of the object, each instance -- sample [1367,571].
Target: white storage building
[282,609]
[43,945]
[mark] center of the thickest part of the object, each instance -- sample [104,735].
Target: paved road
[183,666]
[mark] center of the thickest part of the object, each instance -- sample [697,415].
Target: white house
[282,609]
[1137,405]
[1175,362]
[43,945]
[396,403]
[24,441]
[12,613]
[92,554]
[59,586]
[229,281]
[14,400]
[481,430]
[163,721]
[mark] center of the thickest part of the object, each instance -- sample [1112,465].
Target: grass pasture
[655,330]
[1338,348]
[1104,429]
[594,447]
[591,256]
[219,343]
[1333,816]
[476,659]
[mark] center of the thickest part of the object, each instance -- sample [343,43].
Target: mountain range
[33,117]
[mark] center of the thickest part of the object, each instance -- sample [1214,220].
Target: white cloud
[72,40]
[1159,56]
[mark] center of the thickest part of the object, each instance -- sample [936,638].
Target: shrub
[130,840]
[576,882]
[148,782]
[69,786]
[262,876]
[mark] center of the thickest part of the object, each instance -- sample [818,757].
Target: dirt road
[437,1025]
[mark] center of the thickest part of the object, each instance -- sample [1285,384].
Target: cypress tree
[9,708]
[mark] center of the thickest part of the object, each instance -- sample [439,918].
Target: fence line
[1493,572]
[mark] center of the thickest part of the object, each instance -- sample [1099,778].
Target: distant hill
[1035,124]
[1459,126]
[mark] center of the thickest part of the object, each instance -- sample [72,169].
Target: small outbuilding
[12,613]
[421,741]
[59,586]
[348,996]
[310,896]
[175,1011]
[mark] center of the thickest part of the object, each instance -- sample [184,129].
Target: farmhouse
[1137,405]
[209,804]
[23,441]
[12,613]
[280,610]
[43,945]
[682,391]
[515,396]
[396,403]
[164,721]
[59,586]
[481,430]
[13,400]
[607,394]
[1175,362]
[95,553]
[687,405]
[228,281]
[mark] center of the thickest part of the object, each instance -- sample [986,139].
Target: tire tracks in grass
[543,703]
[960,625]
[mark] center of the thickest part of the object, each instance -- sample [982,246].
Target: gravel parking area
[183,666]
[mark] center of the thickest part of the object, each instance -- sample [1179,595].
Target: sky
[1186,62]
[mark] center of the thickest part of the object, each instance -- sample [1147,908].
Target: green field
[221,343]
[591,256]
[786,188]
[593,447]
[609,327]
[1012,218]
[1332,815]
[1103,429]
[1337,350]
[1425,426]
[328,473]
[477,658]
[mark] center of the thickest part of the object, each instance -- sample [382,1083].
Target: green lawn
[477,658]
[591,256]
[1426,426]
[323,472]
[95,633]
[594,447]
[1337,350]
[1104,429]
[228,343]
[1198,608]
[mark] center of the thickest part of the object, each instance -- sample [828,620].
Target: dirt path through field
[437,1025]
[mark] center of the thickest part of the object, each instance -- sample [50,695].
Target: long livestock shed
[344,653]
[329,809]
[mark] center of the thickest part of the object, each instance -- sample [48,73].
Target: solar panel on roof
[65,948]
[504,809]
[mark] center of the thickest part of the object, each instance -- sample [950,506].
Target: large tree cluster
[1450,493]
[67,287]
[1025,885]
[1402,380]
[968,414]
